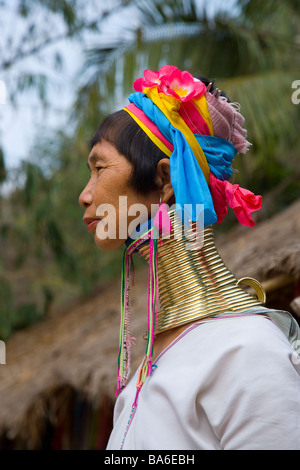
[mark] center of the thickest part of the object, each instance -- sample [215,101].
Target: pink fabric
[193,118]
[217,191]
[149,124]
[242,201]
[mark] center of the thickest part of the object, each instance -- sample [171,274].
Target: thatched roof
[269,249]
[79,347]
[269,252]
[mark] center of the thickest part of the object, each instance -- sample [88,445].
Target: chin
[108,244]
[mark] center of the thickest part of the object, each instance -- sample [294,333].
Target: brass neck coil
[193,280]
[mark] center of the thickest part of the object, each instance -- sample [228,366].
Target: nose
[86,198]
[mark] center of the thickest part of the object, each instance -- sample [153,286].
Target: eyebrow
[93,159]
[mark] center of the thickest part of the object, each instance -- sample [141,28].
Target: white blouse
[222,384]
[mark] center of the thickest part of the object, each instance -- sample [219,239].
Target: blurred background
[64,65]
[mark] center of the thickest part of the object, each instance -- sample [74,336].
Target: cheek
[127,207]
[109,186]
[103,192]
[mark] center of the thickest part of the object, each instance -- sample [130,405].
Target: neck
[193,280]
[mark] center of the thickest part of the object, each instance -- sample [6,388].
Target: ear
[163,180]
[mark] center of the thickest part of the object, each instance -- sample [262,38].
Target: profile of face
[111,202]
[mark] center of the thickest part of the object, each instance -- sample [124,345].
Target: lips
[90,222]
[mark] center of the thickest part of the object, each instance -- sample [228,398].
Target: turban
[201,132]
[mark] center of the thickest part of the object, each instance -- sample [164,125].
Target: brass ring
[260,292]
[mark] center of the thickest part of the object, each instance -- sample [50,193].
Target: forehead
[103,151]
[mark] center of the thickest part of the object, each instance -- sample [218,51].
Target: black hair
[121,130]
[206,82]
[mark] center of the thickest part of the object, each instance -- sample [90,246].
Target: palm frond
[254,57]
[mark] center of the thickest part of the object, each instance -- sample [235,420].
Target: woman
[219,371]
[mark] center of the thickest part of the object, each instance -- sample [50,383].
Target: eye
[98,168]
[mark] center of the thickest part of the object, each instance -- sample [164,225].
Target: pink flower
[242,201]
[172,82]
[152,77]
[182,85]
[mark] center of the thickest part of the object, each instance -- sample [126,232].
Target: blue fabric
[189,184]
[219,154]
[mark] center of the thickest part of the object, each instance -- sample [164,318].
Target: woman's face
[108,197]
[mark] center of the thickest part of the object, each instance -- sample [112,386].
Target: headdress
[201,132]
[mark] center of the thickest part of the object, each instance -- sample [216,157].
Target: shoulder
[237,345]
[240,371]
[247,332]
[240,346]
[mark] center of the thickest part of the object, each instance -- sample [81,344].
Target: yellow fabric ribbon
[201,105]
[169,106]
[150,134]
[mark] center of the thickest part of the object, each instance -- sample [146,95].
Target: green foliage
[46,254]
[254,56]
[43,240]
